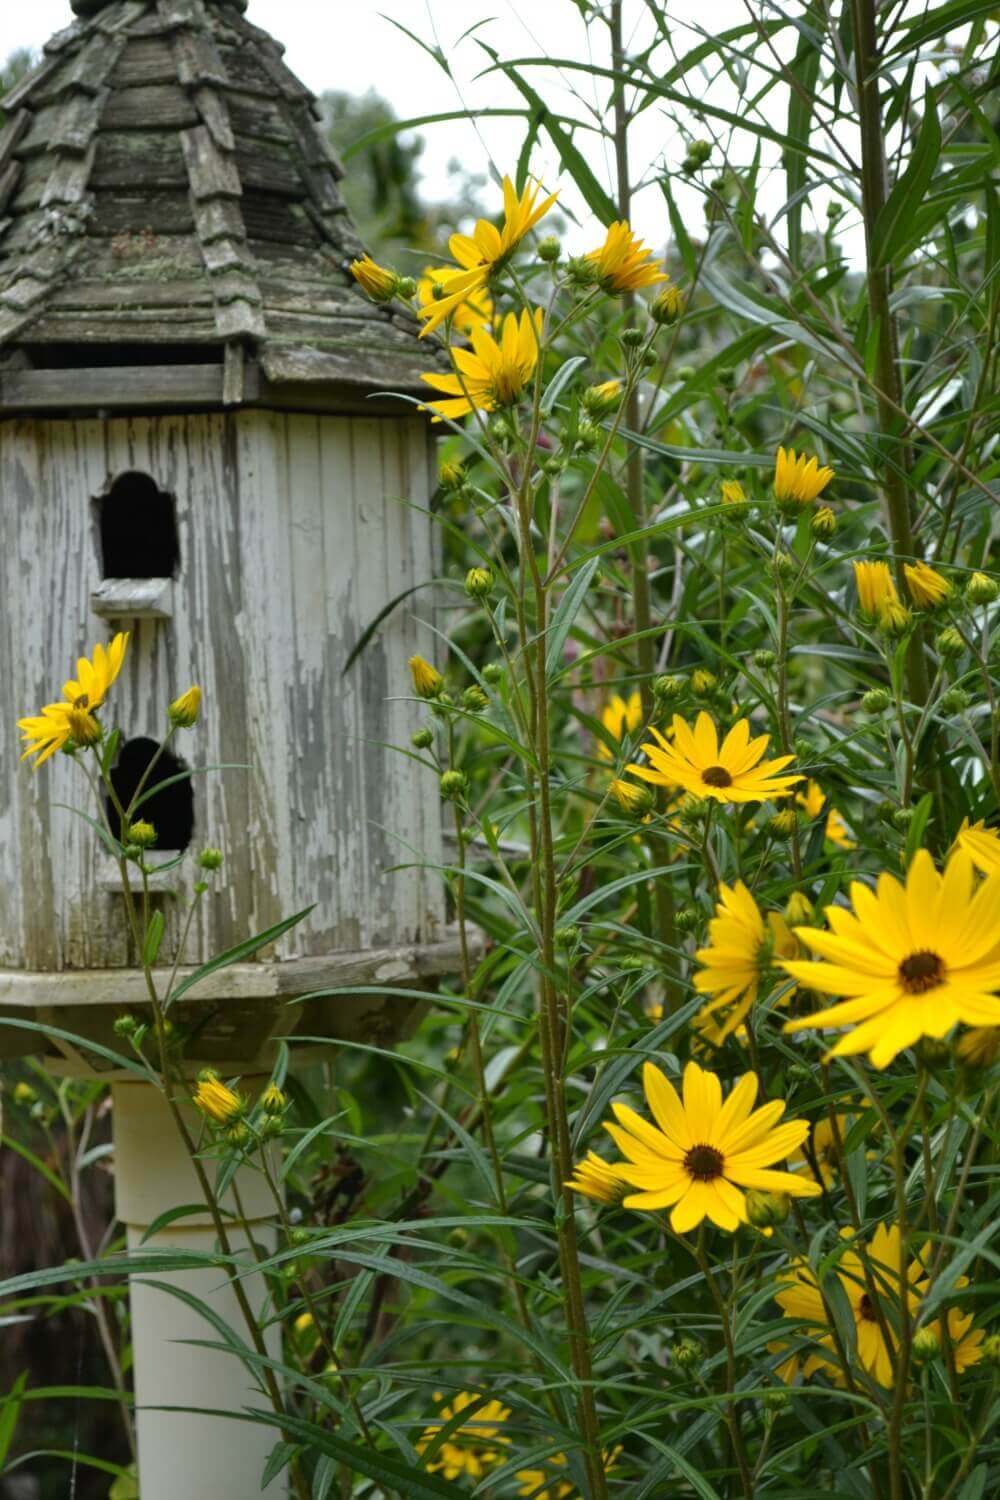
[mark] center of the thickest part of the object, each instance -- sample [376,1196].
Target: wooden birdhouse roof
[167,194]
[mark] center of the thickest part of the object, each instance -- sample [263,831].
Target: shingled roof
[165,183]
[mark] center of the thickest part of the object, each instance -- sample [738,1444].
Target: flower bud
[427,680]
[474,700]
[733,492]
[685,372]
[479,583]
[631,963]
[581,271]
[406,287]
[876,701]
[991,1349]
[210,859]
[902,818]
[934,1054]
[380,283]
[454,785]
[783,561]
[823,523]
[141,834]
[949,642]
[423,739]
[894,618]
[764,659]
[24,1094]
[548,250]
[183,712]
[633,338]
[703,682]
[567,936]
[688,919]
[692,809]
[441,705]
[458,1237]
[452,475]
[599,400]
[782,825]
[799,909]
[765,1210]
[981,589]
[637,801]
[686,1354]
[955,701]
[493,673]
[238,1135]
[553,466]
[125,1026]
[926,1345]
[667,306]
[776,1399]
[273,1101]
[588,436]
[700,151]
[668,687]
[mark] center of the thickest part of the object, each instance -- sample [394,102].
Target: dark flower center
[866,1308]
[921,972]
[703,1163]
[716,776]
[82,702]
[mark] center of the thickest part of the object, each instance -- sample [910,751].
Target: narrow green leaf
[907,195]
[562,621]
[9,1412]
[236,955]
[153,939]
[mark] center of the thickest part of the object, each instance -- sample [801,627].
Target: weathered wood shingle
[170,165]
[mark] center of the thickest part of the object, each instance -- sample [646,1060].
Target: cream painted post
[183,1456]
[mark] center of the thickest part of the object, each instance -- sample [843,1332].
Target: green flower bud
[454,785]
[685,372]
[765,1210]
[783,824]
[452,475]
[549,250]
[784,562]
[991,1349]
[764,659]
[458,1237]
[876,701]
[687,1354]
[142,834]
[125,1026]
[949,642]
[633,338]
[667,306]
[981,589]
[926,1345]
[588,436]
[777,1399]
[553,466]
[406,288]
[210,859]
[934,1054]
[479,583]
[955,701]
[475,700]
[688,919]
[700,151]
[903,817]
[581,272]
[423,739]
[668,687]
[271,1127]
[567,936]
[599,400]
[493,673]
[823,523]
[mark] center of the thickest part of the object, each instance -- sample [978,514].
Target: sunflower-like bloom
[734,771]
[597,1179]
[637,801]
[377,281]
[823,1161]
[95,677]
[705,1152]
[927,588]
[876,590]
[531,1480]
[475,1446]
[812,801]
[217,1102]
[798,478]
[486,251]
[981,844]
[57,726]
[739,952]
[620,717]
[623,263]
[800,1298]
[914,961]
[475,310]
[427,680]
[491,374]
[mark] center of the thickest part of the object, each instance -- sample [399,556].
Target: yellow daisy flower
[741,945]
[184,710]
[377,281]
[620,717]
[623,262]
[732,772]
[483,253]
[597,1179]
[94,678]
[705,1152]
[800,1298]
[914,961]
[474,311]
[927,588]
[812,801]
[54,728]
[492,374]
[981,844]
[876,590]
[798,478]
[474,1447]
[531,1480]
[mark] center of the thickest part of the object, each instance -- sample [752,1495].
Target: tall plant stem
[731,1410]
[635,487]
[889,393]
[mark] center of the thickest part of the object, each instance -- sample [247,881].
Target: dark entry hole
[170,811]
[138,530]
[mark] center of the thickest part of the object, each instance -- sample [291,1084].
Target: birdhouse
[196,447]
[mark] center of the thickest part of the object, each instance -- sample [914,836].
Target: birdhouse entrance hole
[138,530]
[170,811]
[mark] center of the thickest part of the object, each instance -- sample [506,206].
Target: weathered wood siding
[292,538]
